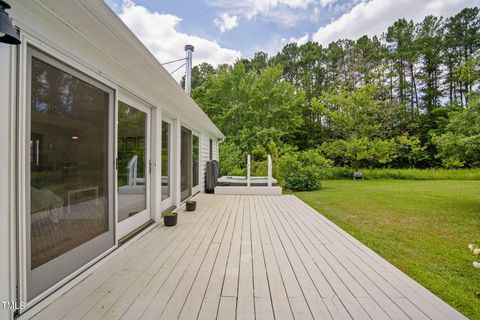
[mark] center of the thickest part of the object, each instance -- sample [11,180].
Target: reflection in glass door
[70,200]
[185,164]
[165,161]
[195,163]
[132,168]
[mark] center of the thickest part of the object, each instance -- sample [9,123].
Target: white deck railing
[269,178]
[132,169]
[269,170]
[248,171]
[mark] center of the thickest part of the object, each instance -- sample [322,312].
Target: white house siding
[205,156]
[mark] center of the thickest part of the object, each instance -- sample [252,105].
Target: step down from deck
[243,190]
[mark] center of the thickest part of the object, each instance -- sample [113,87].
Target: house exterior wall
[205,156]
[48,33]
[7,203]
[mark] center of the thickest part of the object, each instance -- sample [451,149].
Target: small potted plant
[170,219]
[190,205]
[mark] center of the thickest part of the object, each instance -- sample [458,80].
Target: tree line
[406,98]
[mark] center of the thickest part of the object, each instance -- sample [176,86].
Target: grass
[403,174]
[422,227]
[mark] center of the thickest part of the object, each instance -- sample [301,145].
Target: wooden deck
[248,257]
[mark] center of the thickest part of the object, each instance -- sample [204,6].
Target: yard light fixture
[8,33]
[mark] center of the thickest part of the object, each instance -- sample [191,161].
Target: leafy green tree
[381,102]
[252,108]
[462,40]
[459,146]
[404,52]
[200,73]
[430,35]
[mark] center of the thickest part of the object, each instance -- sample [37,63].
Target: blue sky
[263,31]
[224,30]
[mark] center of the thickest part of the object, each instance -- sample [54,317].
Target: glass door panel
[165,160]
[132,161]
[195,161]
[70,219]
[185,164]
[133,154]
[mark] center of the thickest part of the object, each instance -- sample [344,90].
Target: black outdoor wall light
[8,33]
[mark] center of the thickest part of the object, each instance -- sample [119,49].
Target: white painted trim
[156,162]
[167,203]
[7,178]
[176,152]
[197,188]
[140,218]
[22,170]
[12,178]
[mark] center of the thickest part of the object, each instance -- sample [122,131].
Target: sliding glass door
[70,176]
[195,164]
[185,164]
[189,163]
[166,165]
[133,170]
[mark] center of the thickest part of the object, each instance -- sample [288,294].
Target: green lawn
[422,227]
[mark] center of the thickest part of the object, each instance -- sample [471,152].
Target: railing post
[248,171]
[269,170]
[132,171]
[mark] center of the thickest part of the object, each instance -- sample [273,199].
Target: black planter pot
[191,205]
[170,221]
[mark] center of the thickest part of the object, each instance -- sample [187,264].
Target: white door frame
[197,188]
[131,224]
[168,202]
[23,155]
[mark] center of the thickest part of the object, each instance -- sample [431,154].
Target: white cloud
[226,22]
[375,16]
[300,40]
[325,3]
[286,12]
[158,31]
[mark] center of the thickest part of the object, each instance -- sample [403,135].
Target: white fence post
[269,170]
[132,171]
[248,171]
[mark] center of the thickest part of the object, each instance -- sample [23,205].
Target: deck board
[248,257]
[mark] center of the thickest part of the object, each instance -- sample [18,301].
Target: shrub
[230,158]
[301,171]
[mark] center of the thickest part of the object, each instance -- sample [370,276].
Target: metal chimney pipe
[188,69]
